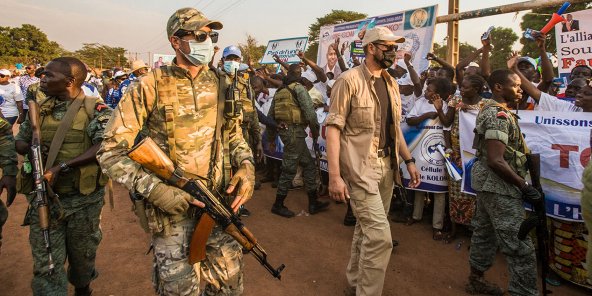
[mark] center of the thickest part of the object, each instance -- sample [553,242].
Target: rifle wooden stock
[152,158]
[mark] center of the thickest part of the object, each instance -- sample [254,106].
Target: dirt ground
[315,250]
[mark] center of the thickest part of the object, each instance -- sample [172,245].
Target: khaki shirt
[355,110]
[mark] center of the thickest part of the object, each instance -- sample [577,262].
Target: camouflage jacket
[250,122]
[34,93]
[8,159]
[193,106]
[306,106]
[496,122]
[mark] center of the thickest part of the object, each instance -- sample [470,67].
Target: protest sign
[416,25]
[286,49]
[574,43]
[562,140]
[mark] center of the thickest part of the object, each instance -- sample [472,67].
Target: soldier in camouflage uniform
[8,169]
[293,111]
[498,177]
[74,220]
[181,107]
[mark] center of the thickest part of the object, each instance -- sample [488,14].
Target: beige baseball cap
[137,65]
[189,19]
[380,33]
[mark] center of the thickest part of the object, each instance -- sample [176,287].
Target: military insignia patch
[502,114]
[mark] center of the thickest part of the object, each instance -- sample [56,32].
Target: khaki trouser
[372,243]
[439,208]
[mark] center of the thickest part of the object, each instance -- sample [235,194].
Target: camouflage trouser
[496,223]
[222,268]
[3,217]
[587,213]
[76,237]
[296,153]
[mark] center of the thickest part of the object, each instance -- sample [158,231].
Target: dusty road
[315,250]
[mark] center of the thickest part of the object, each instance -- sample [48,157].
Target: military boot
[314,205]
[278,207]
[478,285]
[85,291]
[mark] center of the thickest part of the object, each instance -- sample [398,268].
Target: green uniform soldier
[498,177]
[182,108]
[74,176]
[293,111]
[8,170]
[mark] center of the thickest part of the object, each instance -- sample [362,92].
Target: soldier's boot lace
[314,205]
[278,207]
[85,291]
[477,285]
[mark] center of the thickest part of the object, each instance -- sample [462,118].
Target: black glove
[533,196]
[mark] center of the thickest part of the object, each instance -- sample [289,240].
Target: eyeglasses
[392,47]
[200,36]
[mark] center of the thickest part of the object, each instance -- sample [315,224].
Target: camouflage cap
[189,19]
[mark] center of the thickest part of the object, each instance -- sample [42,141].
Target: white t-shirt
[423,106]
[322,88]
[407,103]
[9,95]
[548,102]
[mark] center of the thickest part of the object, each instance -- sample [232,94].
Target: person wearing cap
[364,143]
[11,99]
[139,68]
[529,69]
[113,95]
[467,66]
[180,107]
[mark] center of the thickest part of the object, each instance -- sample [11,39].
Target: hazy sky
[139,26]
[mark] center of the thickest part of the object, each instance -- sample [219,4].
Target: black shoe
[317,206]
[243,212]
[292,187]
[267,179]
[86,291]
[477,285]
[281,210]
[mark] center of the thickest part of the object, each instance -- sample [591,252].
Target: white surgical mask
[231,67]
[201,52]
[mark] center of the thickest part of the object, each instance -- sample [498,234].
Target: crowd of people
[361,103]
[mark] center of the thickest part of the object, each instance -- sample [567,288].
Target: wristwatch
[410,160]
[64,168]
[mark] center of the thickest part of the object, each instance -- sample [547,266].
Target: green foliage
[465,50]
[252,51]
[536,20]
[27,43]
[332,18]
[100,55]
[502,40]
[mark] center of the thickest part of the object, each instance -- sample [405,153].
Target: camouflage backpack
[286,107]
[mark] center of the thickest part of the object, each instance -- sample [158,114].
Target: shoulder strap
[89,106]
[218,138]
[165,80]
[60,135]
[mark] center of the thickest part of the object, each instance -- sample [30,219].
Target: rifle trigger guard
[176,176]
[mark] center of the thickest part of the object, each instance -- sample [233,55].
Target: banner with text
[574,43]
[562,140]
[416,25]
[286,49]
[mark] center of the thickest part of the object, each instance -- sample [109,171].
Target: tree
[252,50]
[465,49]
[536,20]
[28,42]
[100,55]
[332,18]
[502,40]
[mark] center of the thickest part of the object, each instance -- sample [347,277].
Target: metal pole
[453,47]
[526,5]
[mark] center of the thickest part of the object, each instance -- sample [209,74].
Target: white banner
[423,141]
[162,60]
[574,42]
[562,140]
[286,49]
[417,26]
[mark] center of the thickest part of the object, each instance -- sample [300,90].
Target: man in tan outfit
[364,140]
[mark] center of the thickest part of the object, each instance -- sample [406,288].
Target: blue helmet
[232,50]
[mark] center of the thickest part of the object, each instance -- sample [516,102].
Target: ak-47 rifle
[539,219]
[152,158]
[40,183]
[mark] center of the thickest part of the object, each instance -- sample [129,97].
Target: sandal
[437,235]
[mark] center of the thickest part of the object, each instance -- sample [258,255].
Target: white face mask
[231,67]
[201,52]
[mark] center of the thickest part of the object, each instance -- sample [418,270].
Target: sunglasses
[200,36]
[392,47]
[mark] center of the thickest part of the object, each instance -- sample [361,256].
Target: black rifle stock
[539,220]
[40,189]
[152,158]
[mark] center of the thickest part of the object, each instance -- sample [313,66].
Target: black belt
[382,153]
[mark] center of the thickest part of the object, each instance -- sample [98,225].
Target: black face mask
[387,60]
